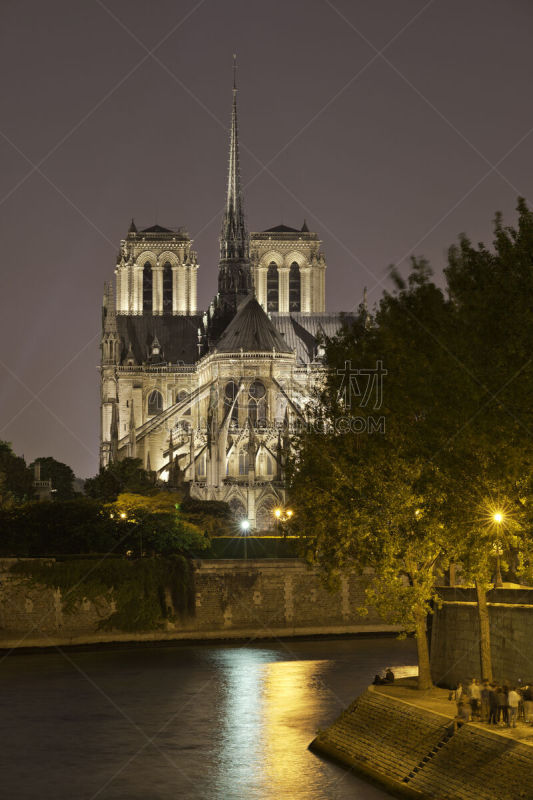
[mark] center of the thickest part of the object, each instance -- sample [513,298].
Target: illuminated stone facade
[210,399]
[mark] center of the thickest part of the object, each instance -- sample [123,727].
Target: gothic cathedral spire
[235,274]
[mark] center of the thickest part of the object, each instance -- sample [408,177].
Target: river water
[219,722]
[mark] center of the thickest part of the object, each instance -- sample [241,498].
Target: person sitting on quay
[379,680]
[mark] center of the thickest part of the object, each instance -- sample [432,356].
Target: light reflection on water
[228,722]
[264,715]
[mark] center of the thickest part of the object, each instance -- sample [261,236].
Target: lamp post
[498,519]
[282,515]
[245,527]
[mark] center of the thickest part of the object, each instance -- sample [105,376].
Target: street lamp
[282,515]
[245,527]
[498,519]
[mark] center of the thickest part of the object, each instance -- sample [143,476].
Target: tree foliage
[458,443]
[16,479]
[126,475]
[84,526]
[60,474]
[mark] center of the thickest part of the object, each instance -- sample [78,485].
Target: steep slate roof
[281,229]
[177,335]
[302,331]
[157,229]
[251,330]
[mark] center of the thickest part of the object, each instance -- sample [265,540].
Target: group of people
[492,703]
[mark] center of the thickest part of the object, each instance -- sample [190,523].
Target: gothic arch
[169,256]
[264,513]
[237,507]
[295,255]
[146,255]
[272,255]
[152,403]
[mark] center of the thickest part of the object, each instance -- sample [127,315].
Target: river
[212,721]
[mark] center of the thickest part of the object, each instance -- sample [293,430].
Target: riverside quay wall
[232,599]
[455,652]
[412,750]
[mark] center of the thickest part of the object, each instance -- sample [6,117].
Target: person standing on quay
[513,699]
[457,695]
[493,705]
[501,696]
[485,701]
[475,696]
[528,702]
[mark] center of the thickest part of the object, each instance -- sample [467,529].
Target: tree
[126,475]
[375,500]
[60,474]
[156,524]
[16,480]
[61,527]
[458,420]
[365,506]
[487,458]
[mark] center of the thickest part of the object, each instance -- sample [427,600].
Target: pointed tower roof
[133,226]
[234,236]
[252,331]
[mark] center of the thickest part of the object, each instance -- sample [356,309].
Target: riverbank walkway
[436,700]
[405,740]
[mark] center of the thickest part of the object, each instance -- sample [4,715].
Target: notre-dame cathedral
[210,399]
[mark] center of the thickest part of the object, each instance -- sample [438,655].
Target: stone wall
[455,654]
[413,752]
[234,599]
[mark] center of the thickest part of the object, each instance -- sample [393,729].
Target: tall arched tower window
[295,301]
[272,287]
[147,288]
[167,289]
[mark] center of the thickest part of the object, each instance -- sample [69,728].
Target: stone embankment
[455,653]
[410,748]
[261,598]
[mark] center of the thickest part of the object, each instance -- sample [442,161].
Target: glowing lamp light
[245,525]
[497,517]
[123,515]
[277,513]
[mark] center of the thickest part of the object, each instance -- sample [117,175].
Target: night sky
[391,125]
